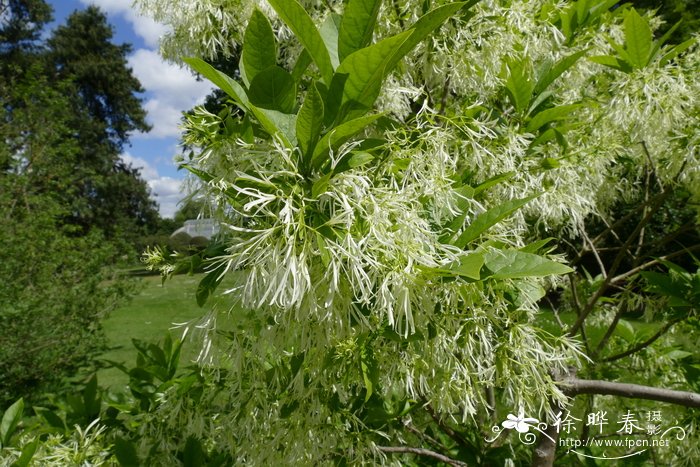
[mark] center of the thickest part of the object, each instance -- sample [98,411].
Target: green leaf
[519,83]
[220,79]
[359,19]
[209,283]
[338,135]
[259,46]
[277,123]
[663,39]
[529,292]
[675,51]
[547,77]
[367,68]
[320,186]
[490,218]
[10,420]
[193,455]
[310,120]
[28,452]
[301,24]
[610,61]
[51,418]
[91,400]
[495,180]
[368,366]
[125,451]
[676,354]
[300,66]
[359,159]
[536,246]
[428,23]
[550,115]
[329,34]
[511,264]
[275,89]
[625,330]
[468,266]
[638,38]
[334,98]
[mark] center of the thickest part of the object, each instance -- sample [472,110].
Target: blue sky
[169,90]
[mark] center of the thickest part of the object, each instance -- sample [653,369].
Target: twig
[448,431]
[611,329]
[422,452]
[424,436]
[595,253]
[644,266]
[616,264]
[644,344]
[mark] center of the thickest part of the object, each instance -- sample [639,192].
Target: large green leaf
[425,26]
[468,266]
[490,218]
[519,83]
[338,135]
[301,24]
[549,74]
[259,46]
[220,79]
[10,420]
[359,19]
[329,34]
[309,120]
[273,89]
[550,115]
[638,39]
[512,264]
[367,68]
[125,451]
[209,283]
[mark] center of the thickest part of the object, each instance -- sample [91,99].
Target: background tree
[69,206]
[106,109]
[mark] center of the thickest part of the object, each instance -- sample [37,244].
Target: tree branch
[644,344]
[590,304]
[421,452]
[611,329]
[643,266]
[575,386]
[445,428]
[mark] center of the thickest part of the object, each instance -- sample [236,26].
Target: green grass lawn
[148,316]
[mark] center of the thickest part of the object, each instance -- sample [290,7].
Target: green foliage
[70,207]
[639,49]
[395,233]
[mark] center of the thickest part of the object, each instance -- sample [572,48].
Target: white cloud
[144,27]
[170,89]
[167,191]
[173,89]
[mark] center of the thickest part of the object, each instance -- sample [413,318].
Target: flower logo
[521,423]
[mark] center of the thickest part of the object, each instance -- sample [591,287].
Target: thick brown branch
[575,386]
[421,452]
